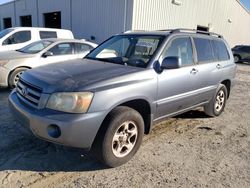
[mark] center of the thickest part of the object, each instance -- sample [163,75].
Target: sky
[4,1]
[246,3]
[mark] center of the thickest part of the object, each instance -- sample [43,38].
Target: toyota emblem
[24,91]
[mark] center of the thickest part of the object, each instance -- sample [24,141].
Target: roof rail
[130,31]
[179,30]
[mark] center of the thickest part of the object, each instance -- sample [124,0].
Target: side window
[62,49]
[204,49]
[182,48]
[81,48]
[47,34]
[220,50]
[246,49]
[18,37]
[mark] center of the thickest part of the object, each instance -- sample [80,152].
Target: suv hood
[75,75]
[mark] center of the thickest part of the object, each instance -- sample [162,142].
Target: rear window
[220,50]
[204,49]
[47,34]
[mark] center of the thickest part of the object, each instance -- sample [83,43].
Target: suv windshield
[133,50]
[35,47]
[5,32]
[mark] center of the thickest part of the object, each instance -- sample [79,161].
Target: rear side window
[62,49]
[246,49]
[47,34]
[81,48]
[18,37]
[204,49]
[220,50]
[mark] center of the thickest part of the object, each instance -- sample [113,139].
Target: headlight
[3,62]
[76,102]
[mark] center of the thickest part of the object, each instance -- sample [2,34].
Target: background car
[241,53]
[13,63]
[18,37]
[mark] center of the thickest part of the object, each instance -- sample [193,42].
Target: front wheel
[120,136]
[15,76]
[216,106]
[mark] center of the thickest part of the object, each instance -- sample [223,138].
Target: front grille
[28,93]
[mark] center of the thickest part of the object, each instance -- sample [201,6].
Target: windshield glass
[35,47]
[5,32]
[133,50]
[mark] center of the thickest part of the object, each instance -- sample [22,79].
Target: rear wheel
[236,58]
[216,106]
[15,76]
[120,137]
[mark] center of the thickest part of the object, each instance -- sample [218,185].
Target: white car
[18,37]
[14,63]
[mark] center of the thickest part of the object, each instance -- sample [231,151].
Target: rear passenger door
[209,68]
[176,86]
[246,52]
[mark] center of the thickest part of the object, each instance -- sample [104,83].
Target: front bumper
[77,130]
[4,73]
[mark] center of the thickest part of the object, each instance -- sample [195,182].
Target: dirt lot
[191,150]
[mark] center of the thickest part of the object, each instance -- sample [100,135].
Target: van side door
[175,86]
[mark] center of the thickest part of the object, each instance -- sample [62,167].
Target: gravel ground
[190,150]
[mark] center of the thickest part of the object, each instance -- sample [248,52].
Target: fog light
[54,131]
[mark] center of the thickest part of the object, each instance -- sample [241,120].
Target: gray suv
[107,101]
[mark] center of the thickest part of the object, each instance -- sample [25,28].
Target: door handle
[193,71]
[218,66]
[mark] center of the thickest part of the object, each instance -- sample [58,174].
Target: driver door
[17,40]
[176,86]
[60,52]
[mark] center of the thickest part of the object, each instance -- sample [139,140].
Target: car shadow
[21,150]
[42,156]
[193,114]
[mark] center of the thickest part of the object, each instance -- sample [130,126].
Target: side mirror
[172,62]
[46,54]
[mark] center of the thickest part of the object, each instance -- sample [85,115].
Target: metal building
[99,19]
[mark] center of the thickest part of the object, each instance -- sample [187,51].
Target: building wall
[7,11]
[46,6]
[97,18]
[226,17]
[24,8]
[101,18]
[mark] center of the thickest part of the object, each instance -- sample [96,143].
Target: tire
[237,58]
[216,106]
[114,145]
[14,77]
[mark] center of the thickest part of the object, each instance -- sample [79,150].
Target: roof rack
[180,30]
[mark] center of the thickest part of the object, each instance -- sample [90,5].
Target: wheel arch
[227,83]
[27,67]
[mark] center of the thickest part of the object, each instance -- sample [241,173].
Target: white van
[18,37]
